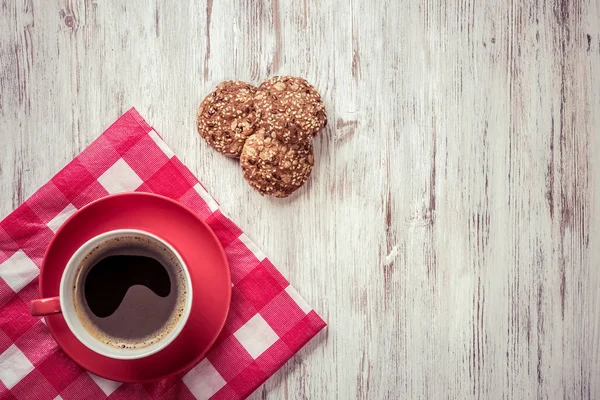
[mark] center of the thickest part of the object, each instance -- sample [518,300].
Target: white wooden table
[450,233]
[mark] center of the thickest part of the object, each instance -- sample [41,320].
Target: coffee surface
[110,279]
[130,292]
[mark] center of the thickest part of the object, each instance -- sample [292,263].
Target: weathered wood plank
[450,233]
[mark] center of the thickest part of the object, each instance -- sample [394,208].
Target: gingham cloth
[267,323]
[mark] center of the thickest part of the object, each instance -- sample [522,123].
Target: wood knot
[69,21]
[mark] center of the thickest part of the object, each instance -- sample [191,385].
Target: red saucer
[193,240]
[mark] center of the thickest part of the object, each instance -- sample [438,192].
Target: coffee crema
[130,292]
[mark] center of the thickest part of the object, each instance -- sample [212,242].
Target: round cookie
[276,168]
[291,108]
[226,117]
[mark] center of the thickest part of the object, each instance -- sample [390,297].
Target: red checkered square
[59,370]
[6,293]
[83,387]
[5,394]
[229,358]
[274,272]
[259,287]
[22,224]
[98,157]
[132,113]
[15,318]
[168,181]
[37,343]
[240,310]
[144,188]
[8,246]
[36,246]
[131,391]
[145,157]
[242,260]
[47,202]
[73,179]
[177,392]
[30,292]
[5,341]
[226,233]
[228,224]
[192,199]
[274,357]
[157,389]
[282,313]
[124,133]
[248,380]
[184,171]
[303,331]
[34,386]
[224,334]
[91,193]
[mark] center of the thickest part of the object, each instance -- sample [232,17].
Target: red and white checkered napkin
[268,321]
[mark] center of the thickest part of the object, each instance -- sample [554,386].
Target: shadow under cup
[126,294]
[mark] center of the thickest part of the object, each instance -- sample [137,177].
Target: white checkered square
[62,216]
[212,204]
[298,299]
[14,366]
[252,247]
[204,380]
[104,384]
[161,144]
[256,336]
[18,271]
[120,178]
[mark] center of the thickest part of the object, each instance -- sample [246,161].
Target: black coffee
[109,280]
[130,292]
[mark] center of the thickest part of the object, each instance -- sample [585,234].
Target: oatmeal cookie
[276,168]
[226,117]
[291,108]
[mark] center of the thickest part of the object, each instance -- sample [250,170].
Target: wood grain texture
[450,234]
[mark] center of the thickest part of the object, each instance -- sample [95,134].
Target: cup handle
[48,306]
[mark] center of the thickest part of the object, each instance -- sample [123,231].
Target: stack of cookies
[269,128]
